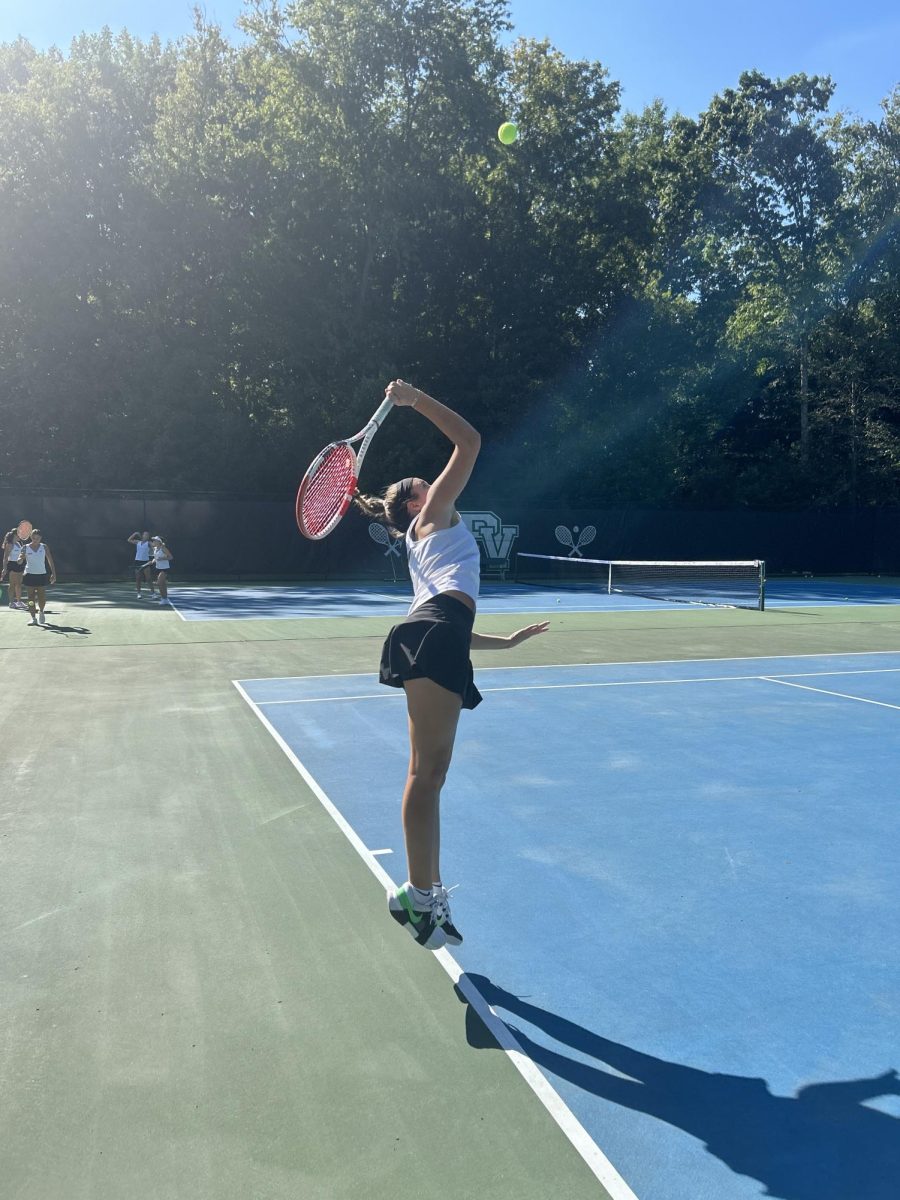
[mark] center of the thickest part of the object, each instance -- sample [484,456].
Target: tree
[779,227]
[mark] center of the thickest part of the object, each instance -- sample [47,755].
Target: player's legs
[42,601]
[31,604]
[433,718]
[420,907]
[162,582]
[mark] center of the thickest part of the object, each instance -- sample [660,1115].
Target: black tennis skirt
[36,580]
[433,643]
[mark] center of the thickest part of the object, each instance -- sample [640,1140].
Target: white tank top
[35,560]
[445,561]
[16,550]
[142,551]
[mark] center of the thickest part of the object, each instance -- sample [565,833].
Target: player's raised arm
[438,509]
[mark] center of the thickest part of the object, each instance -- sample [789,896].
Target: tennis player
[141,543]
[14,567]
[39,571]
[162,561]
[428,654]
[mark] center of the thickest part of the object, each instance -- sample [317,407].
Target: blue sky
[682,53]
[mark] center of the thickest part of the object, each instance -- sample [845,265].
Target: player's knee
[431,770]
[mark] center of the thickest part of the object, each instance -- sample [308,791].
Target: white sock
[421,897]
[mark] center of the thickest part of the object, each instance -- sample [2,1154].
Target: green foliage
[216,253]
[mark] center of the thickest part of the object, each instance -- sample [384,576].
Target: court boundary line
[394,694]
[825,692]
[588,1150]
[628,662]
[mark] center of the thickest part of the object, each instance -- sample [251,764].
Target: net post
[762,585]
[609,579]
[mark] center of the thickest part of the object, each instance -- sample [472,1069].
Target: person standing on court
[39,572]
[428,653]
[141,543]
[162,561]
[14,567]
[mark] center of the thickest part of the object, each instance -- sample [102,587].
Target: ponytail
[388,510]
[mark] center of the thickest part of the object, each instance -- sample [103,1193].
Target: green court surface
[203,996]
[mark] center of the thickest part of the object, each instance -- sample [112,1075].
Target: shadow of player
[821,1144]
[81,630]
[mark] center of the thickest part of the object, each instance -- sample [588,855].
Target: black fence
[216,537]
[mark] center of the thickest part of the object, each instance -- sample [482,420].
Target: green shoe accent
[415,915]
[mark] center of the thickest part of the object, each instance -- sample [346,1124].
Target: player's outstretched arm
[489,641]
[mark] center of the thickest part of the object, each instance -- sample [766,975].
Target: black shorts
[142,566]
[36,580]
[15,566]
[433,643]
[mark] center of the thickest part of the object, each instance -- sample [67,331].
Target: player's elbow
[471,443]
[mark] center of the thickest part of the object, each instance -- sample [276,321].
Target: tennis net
[735,584]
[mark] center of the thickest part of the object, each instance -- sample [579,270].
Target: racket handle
[382,412]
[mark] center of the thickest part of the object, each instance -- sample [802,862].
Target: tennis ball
[507,133]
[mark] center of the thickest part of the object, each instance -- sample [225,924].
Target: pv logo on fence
[494,538]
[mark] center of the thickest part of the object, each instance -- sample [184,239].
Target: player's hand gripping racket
[330,481]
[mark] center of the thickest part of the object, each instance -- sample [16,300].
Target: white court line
[824,692]
[176,610]
[396,694]
[631,662]
[584,1144]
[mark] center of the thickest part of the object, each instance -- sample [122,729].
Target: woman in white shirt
[428,653]
[162,561]
[141,543]
[39,571]
[14,567]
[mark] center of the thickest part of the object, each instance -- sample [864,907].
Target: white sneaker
[163,600]
[441,910]
[419,922]
[42,620]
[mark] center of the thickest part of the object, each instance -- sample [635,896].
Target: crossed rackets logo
[379,534]
[567,537]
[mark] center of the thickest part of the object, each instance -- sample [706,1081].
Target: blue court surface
[679,888]
[392,599]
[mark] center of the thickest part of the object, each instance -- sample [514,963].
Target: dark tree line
[214,253]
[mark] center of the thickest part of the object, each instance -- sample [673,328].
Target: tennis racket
[564,536]
[23,529]
[379,534]
[330,481]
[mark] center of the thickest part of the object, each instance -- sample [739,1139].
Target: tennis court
[391,600]
[685,818]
